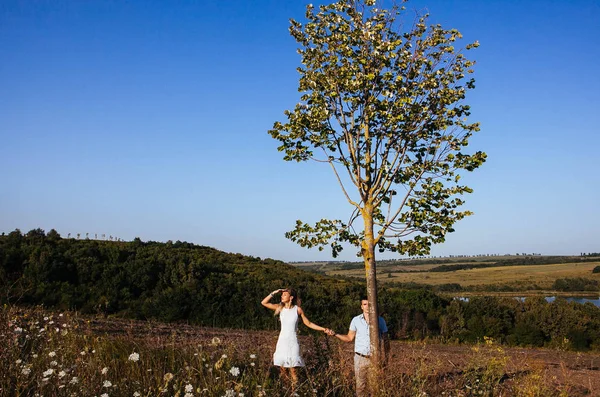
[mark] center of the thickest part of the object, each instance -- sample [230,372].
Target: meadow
[541,275]
[61,353]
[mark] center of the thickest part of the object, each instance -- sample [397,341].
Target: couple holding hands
[287,353]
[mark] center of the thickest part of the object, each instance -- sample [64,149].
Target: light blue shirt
[362,342]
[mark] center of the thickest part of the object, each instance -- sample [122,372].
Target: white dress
[287,352]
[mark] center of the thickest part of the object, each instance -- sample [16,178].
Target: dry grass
[542,275]
[183,360]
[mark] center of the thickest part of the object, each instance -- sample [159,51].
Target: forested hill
[164,281]
[201,285]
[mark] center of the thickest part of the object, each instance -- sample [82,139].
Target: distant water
[578,299]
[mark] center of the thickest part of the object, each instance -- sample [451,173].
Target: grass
[542,275]
[63,354]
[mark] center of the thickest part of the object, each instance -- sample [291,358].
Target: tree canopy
[384,108]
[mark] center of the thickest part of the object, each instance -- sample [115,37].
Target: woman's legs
[293,376]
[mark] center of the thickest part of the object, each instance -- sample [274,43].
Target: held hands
[329,332]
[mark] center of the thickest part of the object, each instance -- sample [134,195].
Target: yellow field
[543,275]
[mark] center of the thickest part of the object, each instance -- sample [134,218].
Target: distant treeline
[180,281]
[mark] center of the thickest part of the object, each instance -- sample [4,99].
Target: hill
[184,282]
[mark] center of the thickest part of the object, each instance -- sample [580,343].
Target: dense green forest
[180,281]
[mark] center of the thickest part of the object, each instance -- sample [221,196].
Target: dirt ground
[577,372]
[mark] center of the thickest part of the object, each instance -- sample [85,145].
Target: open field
[542,275]
[112,357]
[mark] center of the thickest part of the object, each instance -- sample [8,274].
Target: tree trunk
[368,252]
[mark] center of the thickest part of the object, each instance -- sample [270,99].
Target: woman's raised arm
[266,301]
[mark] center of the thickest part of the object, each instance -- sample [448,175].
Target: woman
[287,352]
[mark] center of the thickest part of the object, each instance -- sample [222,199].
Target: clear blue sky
[150,119]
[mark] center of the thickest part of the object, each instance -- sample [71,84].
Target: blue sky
[149,119]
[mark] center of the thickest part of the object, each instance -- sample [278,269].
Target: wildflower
[18,362]
[26,371]
[53,363]
[45,379]
[104,370]
[74,381]
[34,356]
[82,353]
[224,356]
[252,364]
[215,341]
[62,374]
[52,354]
[107,384]
[253,356]
[229,393]
[188,395]
[48,372]
[136,394]
[235,371]
[104,395]
[168,376]
[18,330]
[189,388]
[134,357]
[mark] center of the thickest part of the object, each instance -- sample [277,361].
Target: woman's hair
[294,295]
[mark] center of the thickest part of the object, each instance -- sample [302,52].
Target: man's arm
[349,337]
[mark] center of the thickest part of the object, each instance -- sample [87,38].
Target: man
[359,330]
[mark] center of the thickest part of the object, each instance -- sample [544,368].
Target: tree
[385,108]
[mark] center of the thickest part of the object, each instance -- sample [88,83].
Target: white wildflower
[18,330]
[74,381]
[104,395]
[26,371]
[235,371]
[104,370]
[48,372]
[53,363]
[134,357]
[52,354]
[253,356]
[18,362]
[62,374]
[107,384]
[189,388]
[136,394]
